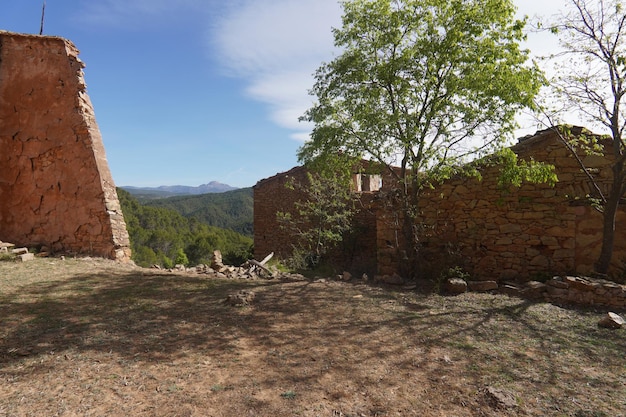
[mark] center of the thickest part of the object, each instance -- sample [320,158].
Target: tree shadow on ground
[322,335]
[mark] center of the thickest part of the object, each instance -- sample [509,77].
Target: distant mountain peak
[174,190]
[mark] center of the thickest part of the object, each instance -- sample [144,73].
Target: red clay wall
[56,189]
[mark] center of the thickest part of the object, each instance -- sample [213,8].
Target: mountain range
[164,191]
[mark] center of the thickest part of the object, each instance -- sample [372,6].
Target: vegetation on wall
[319,220]
[164,237]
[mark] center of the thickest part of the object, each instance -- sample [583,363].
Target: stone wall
[271,196]
[357,251]
[518,233]
[522,233]
[576,290]
[56,189]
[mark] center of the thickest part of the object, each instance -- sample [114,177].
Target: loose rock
[455,286]
[242,298]
[612,321]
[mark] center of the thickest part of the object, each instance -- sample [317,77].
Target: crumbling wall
[56,188]
[356,252]
[531,232]
[271,196]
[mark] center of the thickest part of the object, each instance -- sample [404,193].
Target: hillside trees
[592,80]
[417,82]
[229,210]
[164,237]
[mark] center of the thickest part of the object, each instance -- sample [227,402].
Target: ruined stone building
[56,190]
[522,233]
[271,195]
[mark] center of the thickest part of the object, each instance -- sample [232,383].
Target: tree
[593,82]
[181,258]
[417,82]
[322,216]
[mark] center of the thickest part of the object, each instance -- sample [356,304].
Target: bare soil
[89,337]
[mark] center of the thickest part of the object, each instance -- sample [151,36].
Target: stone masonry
[56,190]
[357,251]
[531,232]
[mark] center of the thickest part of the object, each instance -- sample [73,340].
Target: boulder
[500,398]
[534,289]
[26,257]
[394,279]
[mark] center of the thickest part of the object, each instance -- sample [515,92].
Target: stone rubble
[21,254]
[565,290]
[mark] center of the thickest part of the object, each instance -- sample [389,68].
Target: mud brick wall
[56,189]
[515,234]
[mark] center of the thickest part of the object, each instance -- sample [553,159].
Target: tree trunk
[608,232]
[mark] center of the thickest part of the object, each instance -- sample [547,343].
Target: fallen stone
[394,279]
[557,282]
[26,257]
[611,321]
[6,245]
[579,283]
[19,251]
[534,289]
[482,285]
[511,290]
[455,286]
[242,298]
[499,398]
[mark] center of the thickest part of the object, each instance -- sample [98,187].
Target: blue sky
[191,91]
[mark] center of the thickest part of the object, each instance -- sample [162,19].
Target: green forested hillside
[230,210]
[165,237]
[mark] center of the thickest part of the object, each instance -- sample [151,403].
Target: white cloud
[276,46]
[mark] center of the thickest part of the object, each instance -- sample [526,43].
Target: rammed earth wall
[56,189]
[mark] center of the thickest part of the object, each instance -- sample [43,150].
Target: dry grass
[94,338]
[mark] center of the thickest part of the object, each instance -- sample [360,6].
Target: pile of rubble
[21,254]
[251,269]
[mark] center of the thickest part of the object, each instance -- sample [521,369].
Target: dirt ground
[89,337]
